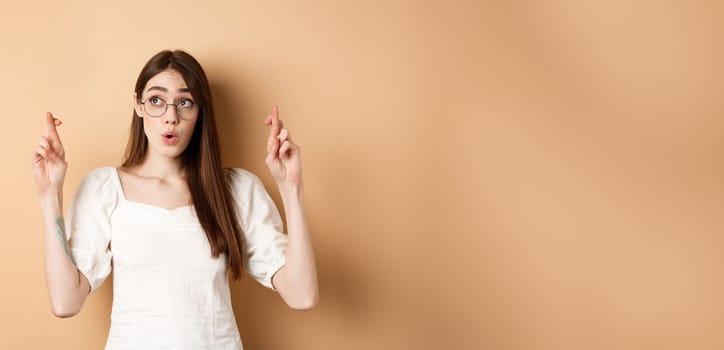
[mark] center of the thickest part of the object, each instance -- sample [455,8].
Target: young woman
[172,222]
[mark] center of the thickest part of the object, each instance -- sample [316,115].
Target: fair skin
[159,181]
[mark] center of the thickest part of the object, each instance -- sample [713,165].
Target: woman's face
[167,128]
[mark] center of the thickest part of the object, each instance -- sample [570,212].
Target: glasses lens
[187,111]
[155,106]
[184,113]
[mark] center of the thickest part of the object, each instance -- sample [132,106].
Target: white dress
[168,291]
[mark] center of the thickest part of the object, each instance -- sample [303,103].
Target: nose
[171,115]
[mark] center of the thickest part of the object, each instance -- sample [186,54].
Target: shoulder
[244,183]
[240,177]
[100,173]
[99,177]
[98,183]
[251,198]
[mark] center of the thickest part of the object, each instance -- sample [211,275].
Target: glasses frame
[166,104]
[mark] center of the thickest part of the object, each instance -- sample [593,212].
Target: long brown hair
[209,184]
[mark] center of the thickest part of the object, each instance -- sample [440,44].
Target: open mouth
[170,139]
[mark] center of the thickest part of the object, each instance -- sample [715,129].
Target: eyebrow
[161,88]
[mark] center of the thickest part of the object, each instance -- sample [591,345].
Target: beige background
[479,175]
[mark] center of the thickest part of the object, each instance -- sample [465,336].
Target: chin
[170,152]
[172,155]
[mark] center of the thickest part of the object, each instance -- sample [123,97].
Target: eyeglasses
[155,107]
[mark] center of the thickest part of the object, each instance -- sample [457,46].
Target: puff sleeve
[88,225]
[262,226]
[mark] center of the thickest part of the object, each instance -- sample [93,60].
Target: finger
[40,151]
[52,131]
[51,123]
[271,143]
[273,147]
[274,131]
[51,155]
[280,127]
[283,135]
[272,155]
[44,142]
[284,149]
[36,158]
[271,137]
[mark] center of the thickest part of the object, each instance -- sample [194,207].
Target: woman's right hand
[49,164]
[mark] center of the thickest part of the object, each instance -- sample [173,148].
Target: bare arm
[67,287]
[296,281]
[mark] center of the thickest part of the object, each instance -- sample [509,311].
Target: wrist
[291,190]
[51,195]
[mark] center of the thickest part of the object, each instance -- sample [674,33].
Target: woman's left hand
[283,156]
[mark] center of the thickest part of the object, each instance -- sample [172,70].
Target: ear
[137,105]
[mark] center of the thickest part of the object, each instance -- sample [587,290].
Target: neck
[155,165]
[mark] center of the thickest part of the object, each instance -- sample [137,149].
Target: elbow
[66,301]
[64,310]
[306,303]
[299,294]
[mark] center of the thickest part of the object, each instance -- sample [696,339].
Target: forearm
[63,278]
[297,280]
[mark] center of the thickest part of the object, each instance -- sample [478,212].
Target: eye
[186,103]
[156,101]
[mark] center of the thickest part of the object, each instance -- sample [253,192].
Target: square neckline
[122,195]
